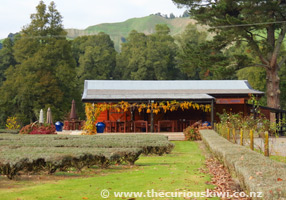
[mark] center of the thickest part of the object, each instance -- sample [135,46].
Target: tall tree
[131,62]
[6,58]
[162,51]
[149,57]
[200,58]
[96,57]
[45,74]
[260,23]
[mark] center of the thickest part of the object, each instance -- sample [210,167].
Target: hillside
[119,31]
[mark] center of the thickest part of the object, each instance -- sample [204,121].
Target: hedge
[151,144]
[34,153]
[35,159]
[255,172]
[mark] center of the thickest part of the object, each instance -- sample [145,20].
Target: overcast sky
[14,14]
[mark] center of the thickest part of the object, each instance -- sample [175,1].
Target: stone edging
[255,172]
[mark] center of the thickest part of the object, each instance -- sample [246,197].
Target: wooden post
[152,119]
[234,135]
[266,144]
[228,134]
[241,137]
[251,140]
[212,113]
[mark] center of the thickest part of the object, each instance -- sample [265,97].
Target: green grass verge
[279,158]
[170,173]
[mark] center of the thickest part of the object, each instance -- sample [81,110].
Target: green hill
[119,31]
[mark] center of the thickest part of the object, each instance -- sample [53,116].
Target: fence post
[241,137]
[251,140]
[228,134]
[234,135]
[266,144]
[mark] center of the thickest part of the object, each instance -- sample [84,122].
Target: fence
[233,135]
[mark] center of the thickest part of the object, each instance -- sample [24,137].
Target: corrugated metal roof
[183,89]
[168,85]
[150,96]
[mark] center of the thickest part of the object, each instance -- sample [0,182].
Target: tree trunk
[273,90]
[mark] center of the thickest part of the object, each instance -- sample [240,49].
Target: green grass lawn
[174,172]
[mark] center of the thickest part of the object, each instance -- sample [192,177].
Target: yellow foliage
[92,112]
[12,123]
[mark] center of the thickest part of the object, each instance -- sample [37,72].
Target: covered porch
[156,96]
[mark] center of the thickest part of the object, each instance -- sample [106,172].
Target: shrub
[38,129]
[44,129]
[27,129]
[239,121]
[192,133]
[12,123]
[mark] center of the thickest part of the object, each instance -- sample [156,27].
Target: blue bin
[59,126]
[206,123]
[100,127]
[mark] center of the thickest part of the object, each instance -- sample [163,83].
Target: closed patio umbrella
[41,117]
[73,115]
[49,116]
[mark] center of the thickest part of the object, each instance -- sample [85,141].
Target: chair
[124,127]
[110,126]
[140,124]
[66,125]
[155,127]
[168,124]
[121,127]
[129,126]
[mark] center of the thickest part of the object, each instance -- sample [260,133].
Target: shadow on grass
[153,164]
[70,173]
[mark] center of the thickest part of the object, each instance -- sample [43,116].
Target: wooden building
[229,95]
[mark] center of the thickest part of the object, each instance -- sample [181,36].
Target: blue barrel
[59,126]
[100,127]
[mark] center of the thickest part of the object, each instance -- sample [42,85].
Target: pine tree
[260,23]
[45,74]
